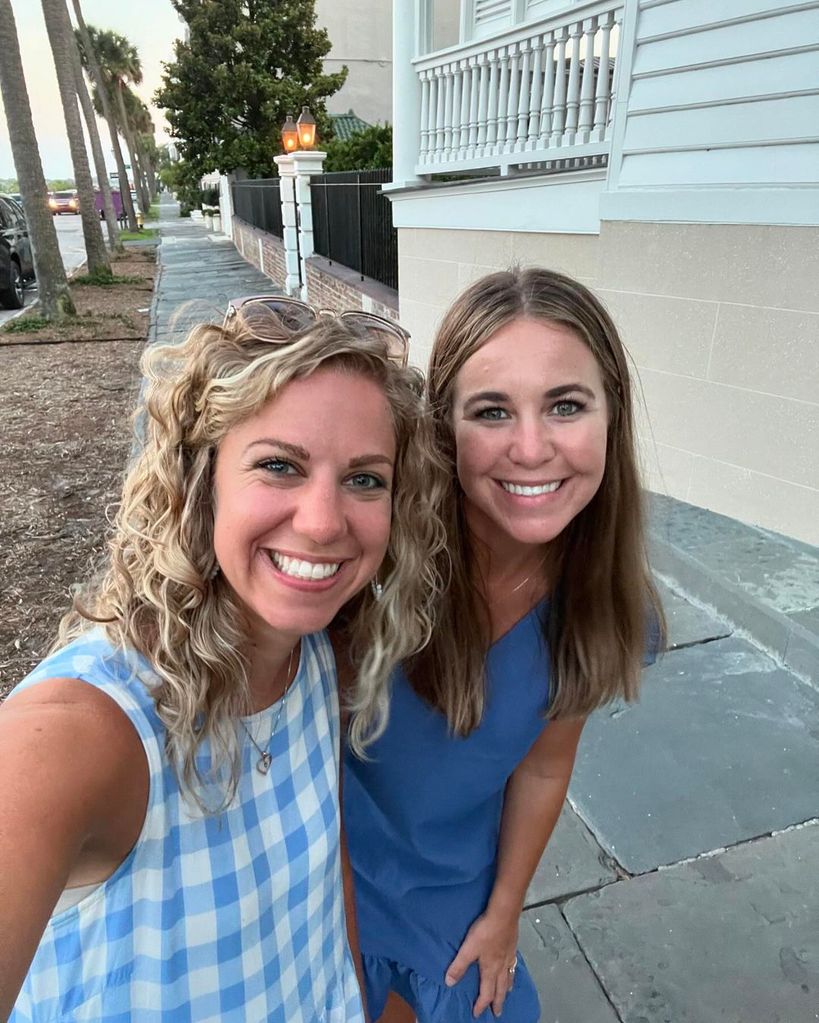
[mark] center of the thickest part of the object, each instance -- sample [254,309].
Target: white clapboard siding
[725,83]
[761,165]
[792,30]
[721,94]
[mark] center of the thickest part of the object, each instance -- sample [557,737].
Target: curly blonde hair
[160,593]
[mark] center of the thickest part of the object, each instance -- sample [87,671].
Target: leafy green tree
[369,149]
[246,64]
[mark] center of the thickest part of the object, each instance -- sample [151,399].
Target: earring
[214,572]
[377,588]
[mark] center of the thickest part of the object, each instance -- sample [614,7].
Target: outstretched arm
[73,791]
[534,797]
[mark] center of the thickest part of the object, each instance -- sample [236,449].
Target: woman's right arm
[73,793]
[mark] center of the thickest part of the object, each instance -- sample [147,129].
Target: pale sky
[151,25]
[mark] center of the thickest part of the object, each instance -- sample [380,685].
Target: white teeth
[545,488]
[304,569]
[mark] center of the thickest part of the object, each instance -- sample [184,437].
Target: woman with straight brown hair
[550,612]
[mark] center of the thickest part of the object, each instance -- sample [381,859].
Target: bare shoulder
[68,750]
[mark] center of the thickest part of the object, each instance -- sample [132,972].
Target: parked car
[63,202]
[116,198]
[16,264]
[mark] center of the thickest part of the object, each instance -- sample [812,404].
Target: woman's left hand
[491,941]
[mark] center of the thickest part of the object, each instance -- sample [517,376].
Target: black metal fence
[352,223]
[259,203]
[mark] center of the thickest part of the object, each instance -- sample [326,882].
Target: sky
[151,25]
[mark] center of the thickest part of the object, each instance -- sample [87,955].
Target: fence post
[290,237]
[307,164]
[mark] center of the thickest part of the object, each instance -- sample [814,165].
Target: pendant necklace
[265,756]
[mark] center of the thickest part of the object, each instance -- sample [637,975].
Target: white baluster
[573,93]
[433,107]
[602,94]
[503,99]
[473,105]
[547,107]
[492,115]
[439,115]
[448,84]
[536,93]
[525,94]
[457,123]
[586,114]
[512,105]
[424,147]
[465,81]
[483,91]
[559,109]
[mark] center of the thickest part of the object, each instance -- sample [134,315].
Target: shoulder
[71,747]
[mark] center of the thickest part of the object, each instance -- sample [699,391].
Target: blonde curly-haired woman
[169,809]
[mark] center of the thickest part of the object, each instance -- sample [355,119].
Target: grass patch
[138,236]
[153,212]
[27,324]
[103,280]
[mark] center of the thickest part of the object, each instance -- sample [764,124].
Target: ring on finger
[511,969]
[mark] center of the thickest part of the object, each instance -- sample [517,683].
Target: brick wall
[329,285]
[265,251]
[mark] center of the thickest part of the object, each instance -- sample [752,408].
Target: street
[69,235]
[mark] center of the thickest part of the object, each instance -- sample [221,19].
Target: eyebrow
[304,455]
[553,392]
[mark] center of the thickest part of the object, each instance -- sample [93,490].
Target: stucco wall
[361,34]
[723,324]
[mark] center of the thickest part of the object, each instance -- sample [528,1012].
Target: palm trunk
[96,150]
[145,164]
[105,100]
[54,297]
[61,36]
[129,142]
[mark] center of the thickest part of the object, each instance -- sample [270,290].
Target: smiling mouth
[531,491]
[311,571]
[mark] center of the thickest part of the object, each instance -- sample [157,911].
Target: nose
[319,514]
[532,443]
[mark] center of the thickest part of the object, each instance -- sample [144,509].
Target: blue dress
[422,816]
[218,919]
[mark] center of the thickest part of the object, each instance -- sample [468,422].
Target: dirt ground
[66,398]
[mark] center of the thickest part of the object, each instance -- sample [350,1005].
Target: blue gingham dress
[234,917]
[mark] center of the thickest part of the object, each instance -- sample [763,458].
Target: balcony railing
[540,93]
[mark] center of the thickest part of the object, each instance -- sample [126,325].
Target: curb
[790,643]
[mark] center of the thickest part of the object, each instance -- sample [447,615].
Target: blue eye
[492,414]
[366,481]
[278,467]
[567,407]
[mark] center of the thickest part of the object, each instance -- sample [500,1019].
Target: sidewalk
[682,882]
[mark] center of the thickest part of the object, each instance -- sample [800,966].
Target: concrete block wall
[722,322]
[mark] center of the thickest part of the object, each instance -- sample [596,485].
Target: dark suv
[15,253]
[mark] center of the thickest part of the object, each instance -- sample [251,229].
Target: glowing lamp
[307,129]
[290,135]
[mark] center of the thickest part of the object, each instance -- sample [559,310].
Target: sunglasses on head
[277,318]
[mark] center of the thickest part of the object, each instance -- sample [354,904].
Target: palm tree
[54,296]
[61,38]
[89,59]
[120,65]
[96,148]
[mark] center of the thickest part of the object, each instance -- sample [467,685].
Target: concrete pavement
[682,882]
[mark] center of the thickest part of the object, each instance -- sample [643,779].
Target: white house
[676,172]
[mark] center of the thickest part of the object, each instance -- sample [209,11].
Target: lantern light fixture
[290,135]
[306,129]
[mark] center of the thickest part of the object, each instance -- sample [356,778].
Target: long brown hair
[603,605]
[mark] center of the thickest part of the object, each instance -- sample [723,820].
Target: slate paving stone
[573,862]
[732,938]
[688,624]
[568,989]
[718,750]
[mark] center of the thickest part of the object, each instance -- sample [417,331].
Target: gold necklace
[265,756]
